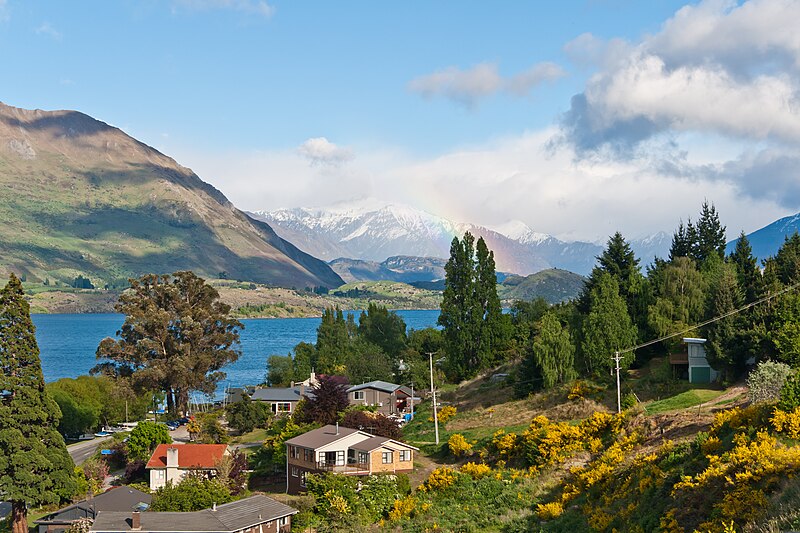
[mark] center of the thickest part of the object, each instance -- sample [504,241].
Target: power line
[715,319]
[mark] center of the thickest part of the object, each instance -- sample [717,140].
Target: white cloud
[320,151]
[47,29]
[717,67]
[463,86]
[254,7]
[468,87]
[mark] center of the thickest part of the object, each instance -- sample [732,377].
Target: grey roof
[116,499]
[321,436]
[384,386]
[370,444]
[277,394]
[227,518]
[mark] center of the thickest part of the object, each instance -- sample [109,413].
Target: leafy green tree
[305,360]
[554,352]
[193,493]
[280,371]
[383,328]
[246,415]
[177,336]
[145,437]
[35,468]
[785,331]
[414,367]
[366,361]
[680,298]
[76,418]
[607,327]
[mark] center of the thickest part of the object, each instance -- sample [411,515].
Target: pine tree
[333,341]
[747,271]
[710,237]
[681,243]
[722,351]
[35,468]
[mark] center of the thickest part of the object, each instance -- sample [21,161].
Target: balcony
[349,468]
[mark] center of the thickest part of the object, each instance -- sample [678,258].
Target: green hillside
[78,196]
[554,285]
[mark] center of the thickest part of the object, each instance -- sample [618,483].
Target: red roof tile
[189,455]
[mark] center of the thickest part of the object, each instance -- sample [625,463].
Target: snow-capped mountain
[372,230]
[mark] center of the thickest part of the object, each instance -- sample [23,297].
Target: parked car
[102,434]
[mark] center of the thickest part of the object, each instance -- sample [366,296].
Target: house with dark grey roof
[389,398]
[282,400]
[343,450]
[121,499]
[256,514]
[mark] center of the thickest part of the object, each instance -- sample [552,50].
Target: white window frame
[405,456]
[283,521]
[358,395]
[295,472]
[280,405]
[384,456]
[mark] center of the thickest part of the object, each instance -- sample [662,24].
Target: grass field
[683,400]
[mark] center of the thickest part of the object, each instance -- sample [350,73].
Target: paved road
[83,450]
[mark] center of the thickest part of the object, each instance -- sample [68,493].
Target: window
[358,395]
[282,407]
[303,478]
[363,457]
[283,521]
[405,455]
[295,471]
[308,455]
[161,474]
[387,458]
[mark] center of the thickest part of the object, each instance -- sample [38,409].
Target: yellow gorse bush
[476,470]
[440,479]
[787,423]
[548,511]
[444,414]
[458,445]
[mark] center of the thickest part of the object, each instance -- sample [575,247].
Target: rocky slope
[78,196]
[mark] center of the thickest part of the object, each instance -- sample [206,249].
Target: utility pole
[617,358]
[433,393]
[412,400]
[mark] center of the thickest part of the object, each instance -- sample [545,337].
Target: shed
[699,369]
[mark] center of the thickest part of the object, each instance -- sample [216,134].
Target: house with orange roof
[171,462]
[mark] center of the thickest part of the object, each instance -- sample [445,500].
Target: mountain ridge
[80,196]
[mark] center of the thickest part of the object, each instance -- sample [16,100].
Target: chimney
[172,457]
[337,427]
[136,521]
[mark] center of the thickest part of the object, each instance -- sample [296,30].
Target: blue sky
[570,116]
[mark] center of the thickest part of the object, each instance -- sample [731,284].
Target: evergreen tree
[495,327]
[710,234]
[607,327]
[681,242]
[333,340]
[618,261]
[747,271]
[35,468]
[787,260]
[722,350]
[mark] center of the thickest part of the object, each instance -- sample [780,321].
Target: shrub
[767,380]
[787,423]
[377,423]
[629,401]
[476,470]
[144,438]
[790,394]
[193,493]
[458,445]
[548,511]
[444,414]
[505,444]
[440,479]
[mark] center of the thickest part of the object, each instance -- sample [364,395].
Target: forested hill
[80,197]
[554,285]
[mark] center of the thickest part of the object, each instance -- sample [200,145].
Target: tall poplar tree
[35,468]
[607,328]
[474,327]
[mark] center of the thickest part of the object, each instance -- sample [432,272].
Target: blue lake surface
[67,343]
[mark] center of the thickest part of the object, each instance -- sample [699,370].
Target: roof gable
[383,386]
[189,455]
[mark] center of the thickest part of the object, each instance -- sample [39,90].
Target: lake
[68,342]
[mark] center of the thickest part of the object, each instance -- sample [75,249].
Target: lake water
[68,342]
